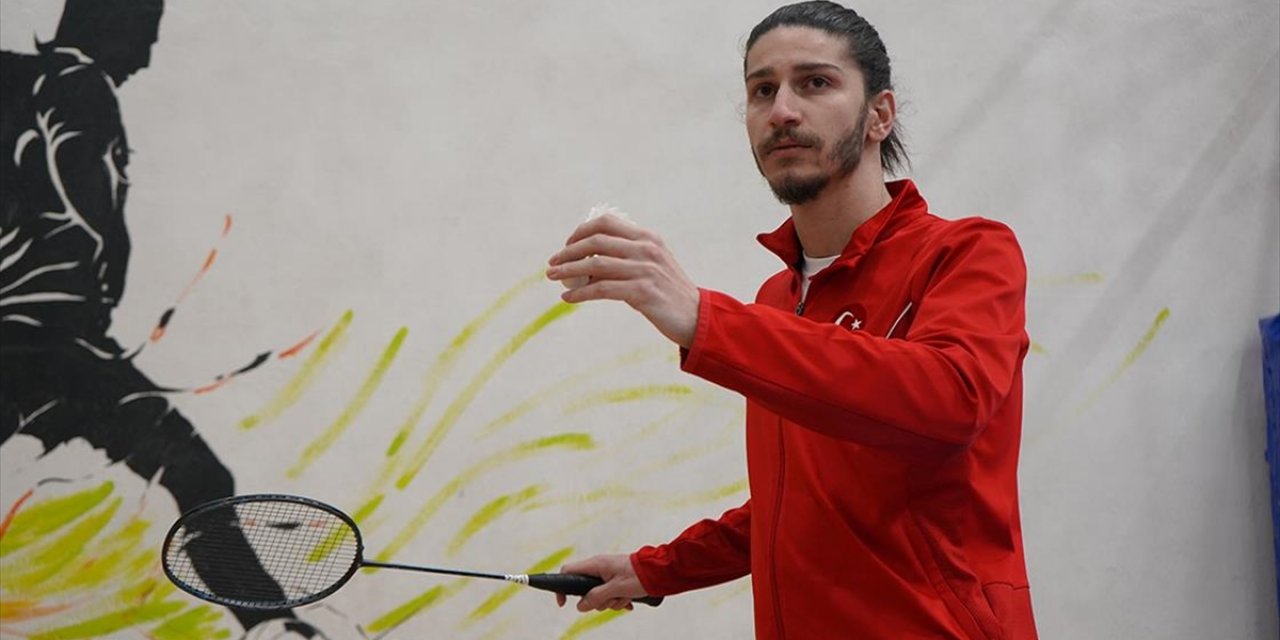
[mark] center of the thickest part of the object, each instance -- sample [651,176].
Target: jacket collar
[906,205]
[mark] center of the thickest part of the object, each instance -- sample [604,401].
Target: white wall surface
[411,161]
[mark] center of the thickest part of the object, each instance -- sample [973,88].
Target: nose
[785,111]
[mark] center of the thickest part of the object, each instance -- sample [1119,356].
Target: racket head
[262,551]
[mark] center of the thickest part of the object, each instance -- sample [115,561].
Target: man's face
[806,111]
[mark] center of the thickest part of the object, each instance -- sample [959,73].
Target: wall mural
[77,564]
[79,555]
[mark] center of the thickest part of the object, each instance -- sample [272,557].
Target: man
[882,370]
[64,250]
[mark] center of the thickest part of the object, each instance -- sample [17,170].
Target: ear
[882,110]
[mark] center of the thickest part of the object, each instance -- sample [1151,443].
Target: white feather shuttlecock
[600,209]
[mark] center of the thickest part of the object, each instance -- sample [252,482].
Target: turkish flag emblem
[852,317]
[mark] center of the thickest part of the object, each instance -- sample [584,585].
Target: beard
[846,155]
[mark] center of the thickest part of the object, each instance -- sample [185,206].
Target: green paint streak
[197,622]
[353,409]
[37,521]
[502,630]
[571,384]
[448,359]
[468,394]
[427,599]
[565,441]
[552,562]
[107,624]
[590,621]
[630,394]
[367,508]
[1129,360]
[340,535]
[51,555]
[490,512]
[1089,277]
[712,495]
[742,588]
[610,492]
[116,558]
[306,376]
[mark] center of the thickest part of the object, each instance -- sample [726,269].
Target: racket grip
[577,584]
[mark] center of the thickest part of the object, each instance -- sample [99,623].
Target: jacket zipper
[773,534]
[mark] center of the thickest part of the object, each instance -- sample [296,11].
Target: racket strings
[263,555]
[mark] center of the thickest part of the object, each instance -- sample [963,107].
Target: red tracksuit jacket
[883,426]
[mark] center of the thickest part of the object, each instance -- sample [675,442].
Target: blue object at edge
[1270,328]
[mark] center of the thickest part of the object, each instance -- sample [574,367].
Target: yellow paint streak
[609,492]
[565,441]
[468,394]
[1130,358]
[551,562]
[629,394]
[589,622]
[367,508]
[92,581]
[49,557]
[115,558]
[488,513]
[306,376]
[502,630]
[339,536]
[729,594]
[1089,277]
[353,409]
[197,622]
[711,495]
[448,358]
[1039,349]
[572,384]
[35,522]
[427,599]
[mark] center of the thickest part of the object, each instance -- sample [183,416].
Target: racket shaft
[576,584]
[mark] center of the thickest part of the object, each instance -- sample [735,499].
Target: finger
[560,600]
[608,225]
[618,604]
[600,267]
[589,566]
[599,244]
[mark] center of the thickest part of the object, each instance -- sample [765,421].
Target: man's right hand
[620,586]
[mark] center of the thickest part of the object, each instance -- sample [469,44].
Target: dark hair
[866,49]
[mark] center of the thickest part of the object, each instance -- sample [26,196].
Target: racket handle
[577,584]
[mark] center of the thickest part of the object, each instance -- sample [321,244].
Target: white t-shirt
[810,266]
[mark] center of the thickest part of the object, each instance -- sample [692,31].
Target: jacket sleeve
[935,390]
[708,553]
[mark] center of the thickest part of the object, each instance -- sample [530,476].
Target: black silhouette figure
[64,250]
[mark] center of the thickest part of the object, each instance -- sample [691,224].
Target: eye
[763,90]
[818,82]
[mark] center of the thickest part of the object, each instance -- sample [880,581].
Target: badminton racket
[273,551]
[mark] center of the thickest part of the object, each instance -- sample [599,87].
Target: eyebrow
[803,66]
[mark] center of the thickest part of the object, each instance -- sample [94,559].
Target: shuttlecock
[600,209]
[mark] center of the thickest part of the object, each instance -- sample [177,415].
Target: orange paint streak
[13,511]
[208,264]
[213,387]
[293,351]
[226,225]
[157,333]
[19,610]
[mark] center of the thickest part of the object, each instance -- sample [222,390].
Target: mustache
[790,136]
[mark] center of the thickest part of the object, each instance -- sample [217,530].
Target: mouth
[784,145]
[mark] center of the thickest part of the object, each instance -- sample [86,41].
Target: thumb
[589,566]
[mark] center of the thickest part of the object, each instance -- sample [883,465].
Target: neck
[826,223]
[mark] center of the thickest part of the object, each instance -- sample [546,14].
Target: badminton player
[882,369]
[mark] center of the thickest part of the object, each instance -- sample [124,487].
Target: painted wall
[382,183]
